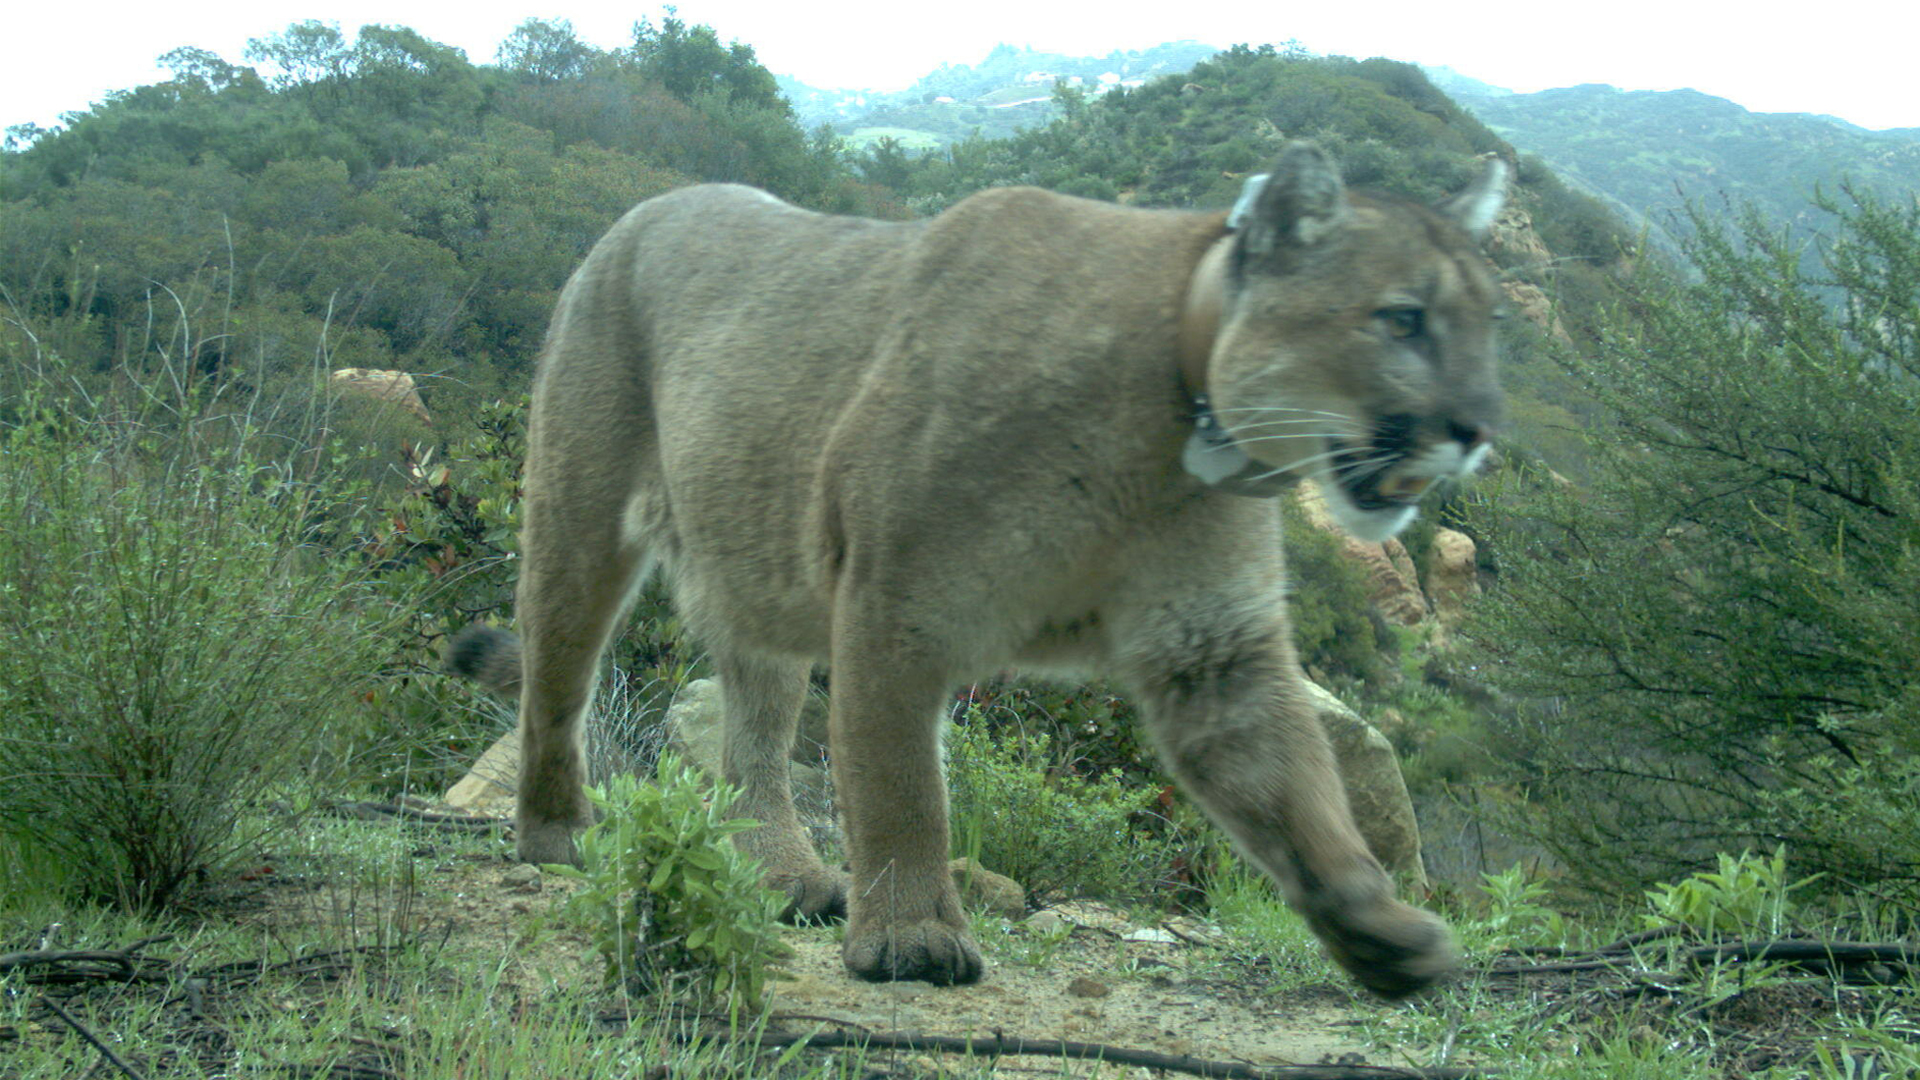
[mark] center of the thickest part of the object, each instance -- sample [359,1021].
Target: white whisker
[1287,409]
[1356,428]
[1360,470]
[1294,435]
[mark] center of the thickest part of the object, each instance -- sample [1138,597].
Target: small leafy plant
[1748,894]
[1516,913]
[672,904]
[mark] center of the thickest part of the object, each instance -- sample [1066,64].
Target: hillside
[1650,152]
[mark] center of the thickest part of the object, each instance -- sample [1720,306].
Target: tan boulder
[488,787]
[1513,235]
[396,387]
[1375,789]
[1453,575]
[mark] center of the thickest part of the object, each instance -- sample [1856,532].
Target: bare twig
[105,1050]
[1820,955]
[372,811]
[1001,1046]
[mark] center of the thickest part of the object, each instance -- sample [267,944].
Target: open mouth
[1371,476]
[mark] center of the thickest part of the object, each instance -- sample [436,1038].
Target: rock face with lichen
[1375,788]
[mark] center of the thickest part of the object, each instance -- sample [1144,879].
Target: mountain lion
[1021,433]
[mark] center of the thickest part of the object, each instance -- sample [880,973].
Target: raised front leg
[904,919]
[1224,704]
[763,699]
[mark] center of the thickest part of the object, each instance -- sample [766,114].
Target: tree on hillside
[691,63]
[546,51]
[1721,632]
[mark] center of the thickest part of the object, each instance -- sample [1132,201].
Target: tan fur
[927,451]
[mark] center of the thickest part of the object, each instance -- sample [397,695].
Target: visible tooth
[1408,487]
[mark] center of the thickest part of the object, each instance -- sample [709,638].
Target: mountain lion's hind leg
[1227,712]
[580,568]
[762,703]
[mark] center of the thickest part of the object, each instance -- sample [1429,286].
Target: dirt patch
[1083,981]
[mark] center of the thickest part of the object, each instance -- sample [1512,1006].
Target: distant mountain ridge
[1011,88]
[1649,152]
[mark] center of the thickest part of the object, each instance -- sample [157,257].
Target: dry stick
[372,811]
[104,1049]
[1838,952]
[1800,951]
[1216,1070]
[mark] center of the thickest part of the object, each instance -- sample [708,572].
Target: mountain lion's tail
[488,656]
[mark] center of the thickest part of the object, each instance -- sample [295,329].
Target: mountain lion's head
[1354,340]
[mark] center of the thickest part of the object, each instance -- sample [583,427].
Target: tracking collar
[1211,455]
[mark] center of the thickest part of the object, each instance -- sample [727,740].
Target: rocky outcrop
[394,387]
[1395,588]
[1530,302]
[1514,240]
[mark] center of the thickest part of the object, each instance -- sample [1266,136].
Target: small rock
[1046,922]
[1152,934]
[982,888]
[522,878]
[1084,987]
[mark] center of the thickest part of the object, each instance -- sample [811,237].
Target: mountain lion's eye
[1403,322]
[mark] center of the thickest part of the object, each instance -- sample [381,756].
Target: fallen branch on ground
[82,1030]
[58,967]
[1825,956]
[1008,1046]
[373,811]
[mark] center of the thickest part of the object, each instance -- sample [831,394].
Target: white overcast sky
[1848,58]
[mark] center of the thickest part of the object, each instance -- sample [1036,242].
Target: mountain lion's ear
[1475,208]
[1296,204]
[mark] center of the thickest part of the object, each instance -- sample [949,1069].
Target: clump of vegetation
[1749,894]
[1715,635]
[1058,834]
[177,650]
[672,904]
[1330,600]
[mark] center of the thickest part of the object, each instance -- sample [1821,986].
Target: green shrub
[1713,638]
[1058,835]
[672,903]
[175,648]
